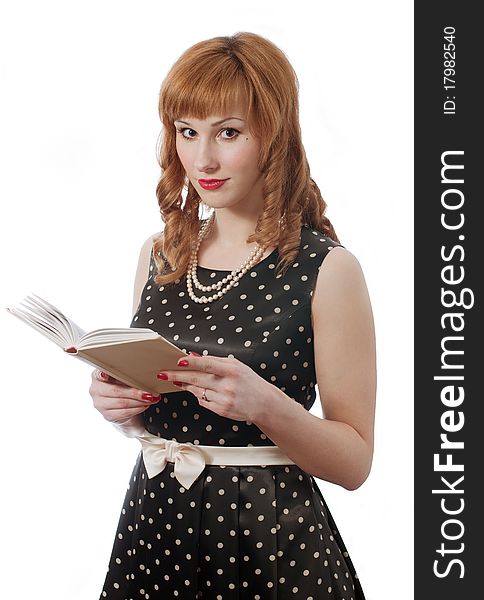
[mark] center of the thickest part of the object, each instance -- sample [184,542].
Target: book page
[103,337]
[48,320]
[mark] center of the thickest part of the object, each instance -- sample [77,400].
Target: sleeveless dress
[239,532]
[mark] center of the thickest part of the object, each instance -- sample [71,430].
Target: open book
[132,355]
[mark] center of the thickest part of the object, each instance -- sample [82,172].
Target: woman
[222,502]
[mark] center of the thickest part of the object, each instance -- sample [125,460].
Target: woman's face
[219,156]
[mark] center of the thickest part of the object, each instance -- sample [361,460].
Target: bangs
[199,90]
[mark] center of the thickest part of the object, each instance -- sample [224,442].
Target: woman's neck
[230,232]
[225,246]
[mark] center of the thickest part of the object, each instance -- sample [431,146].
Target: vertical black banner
[449,258]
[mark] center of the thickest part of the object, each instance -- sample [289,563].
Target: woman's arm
[338,448]
[117,402]
[142,271]
[135,424]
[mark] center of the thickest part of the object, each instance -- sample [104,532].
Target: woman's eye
[233,133]
[186,130]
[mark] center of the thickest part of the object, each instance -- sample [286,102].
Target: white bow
[157,451]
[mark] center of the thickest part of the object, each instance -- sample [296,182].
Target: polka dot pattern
[258,532]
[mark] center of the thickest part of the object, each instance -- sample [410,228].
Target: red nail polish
[162,376]
[194,354]
[147,396]
[183,363]
[178,383]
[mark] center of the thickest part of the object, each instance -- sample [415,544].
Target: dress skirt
[239,532]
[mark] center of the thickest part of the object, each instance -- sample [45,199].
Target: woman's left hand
[232,389]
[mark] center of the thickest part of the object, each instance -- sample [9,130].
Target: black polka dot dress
[239,532]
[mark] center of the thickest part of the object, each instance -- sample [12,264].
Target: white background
[79,125]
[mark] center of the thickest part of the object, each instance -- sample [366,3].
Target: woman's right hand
[119,403]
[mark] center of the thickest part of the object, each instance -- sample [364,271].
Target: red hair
[207,79]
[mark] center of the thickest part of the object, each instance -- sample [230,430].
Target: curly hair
[207,79]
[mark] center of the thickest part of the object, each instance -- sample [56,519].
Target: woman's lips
[211,184]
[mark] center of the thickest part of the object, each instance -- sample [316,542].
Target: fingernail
[194,354]
[178,383]
[183,363]
[147,396]
[162,376]
[104,375]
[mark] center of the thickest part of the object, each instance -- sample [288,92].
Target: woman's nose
[206,159]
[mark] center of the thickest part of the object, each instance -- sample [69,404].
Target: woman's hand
[117,402]
[232,389]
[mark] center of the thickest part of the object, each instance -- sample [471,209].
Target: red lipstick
[211,184]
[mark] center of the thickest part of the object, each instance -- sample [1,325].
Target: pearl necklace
[231,279]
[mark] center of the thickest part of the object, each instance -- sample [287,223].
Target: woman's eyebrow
[213,124]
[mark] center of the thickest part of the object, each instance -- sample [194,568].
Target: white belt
[190,459]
